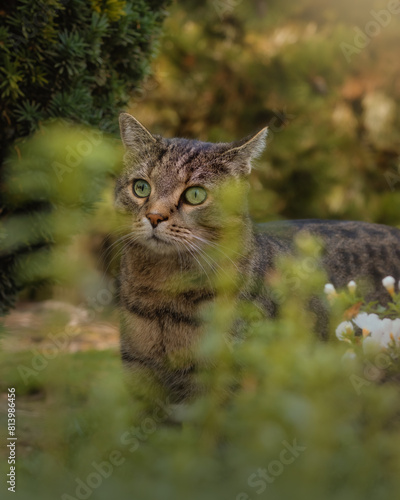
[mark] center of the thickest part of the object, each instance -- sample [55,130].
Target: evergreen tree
[73,59]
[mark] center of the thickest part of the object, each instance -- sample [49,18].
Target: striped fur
[165,284]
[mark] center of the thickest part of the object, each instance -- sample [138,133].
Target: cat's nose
[155,219]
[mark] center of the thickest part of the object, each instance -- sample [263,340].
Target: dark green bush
[73,59]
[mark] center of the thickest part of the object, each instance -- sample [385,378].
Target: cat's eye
[195,195]
[141,188]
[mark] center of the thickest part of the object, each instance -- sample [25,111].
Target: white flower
[368,323]
[351,285]
[388,283]
[378,332]
[344,328]
[390,332]
[329,289]
[385,335]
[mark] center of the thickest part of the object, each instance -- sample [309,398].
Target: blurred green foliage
[56,184]
[301,421]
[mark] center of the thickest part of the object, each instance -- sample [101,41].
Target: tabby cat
[172,190]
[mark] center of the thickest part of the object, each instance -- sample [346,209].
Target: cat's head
[174,188]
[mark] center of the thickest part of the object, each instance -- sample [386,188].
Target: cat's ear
[133,134]
[243,152]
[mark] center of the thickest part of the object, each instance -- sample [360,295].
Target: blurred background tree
[73,59]
[227,68]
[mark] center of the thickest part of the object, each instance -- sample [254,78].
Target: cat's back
[351,249]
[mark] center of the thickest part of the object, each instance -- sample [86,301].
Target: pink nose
[155,219]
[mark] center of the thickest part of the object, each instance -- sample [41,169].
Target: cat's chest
[162,320]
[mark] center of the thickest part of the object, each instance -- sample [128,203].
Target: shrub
[74,59]
[302,421]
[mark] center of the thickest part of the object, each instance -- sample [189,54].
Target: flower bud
[351,285]
[330,291]
[388,283]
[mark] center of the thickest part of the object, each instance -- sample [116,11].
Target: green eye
[195,195]
[141,188]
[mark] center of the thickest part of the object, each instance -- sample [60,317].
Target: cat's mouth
[157,239]
[159,244]
[153,239]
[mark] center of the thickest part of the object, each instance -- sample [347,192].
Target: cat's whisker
[176,245]
[104,255]
[196,248]
[115,243]
[111,248]
[224,270]
[125,240]
[215,246]
[207,258]
[193,252]
[121,228]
